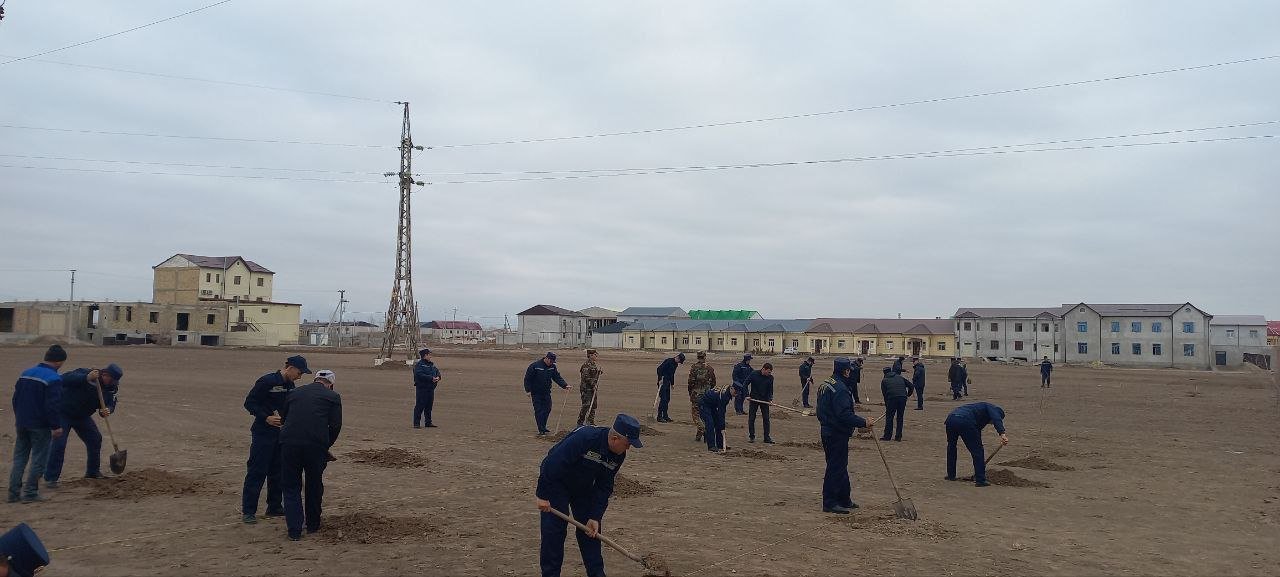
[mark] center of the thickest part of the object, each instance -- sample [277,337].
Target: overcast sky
[1167,223]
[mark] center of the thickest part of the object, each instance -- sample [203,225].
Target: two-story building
[1153,335]
[551,325]
[1239,339]
[243,286]
[469,332]
[1022,333]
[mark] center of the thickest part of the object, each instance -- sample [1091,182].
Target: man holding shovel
[577,476]
[79,402]
[701,379]
[537,384]
[266,402]
[760,388]
[741,371]
[835,414]
[666,380]
[589,374]
[966,422]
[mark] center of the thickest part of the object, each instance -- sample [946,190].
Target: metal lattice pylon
[402,329]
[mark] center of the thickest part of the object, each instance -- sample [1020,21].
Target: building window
[153,317]
[1115,326]
[259,299]
[957,326]
[720,342]
[755,342]
[995,327]
[265,311]
[236,280]
[839,343]
[733,342]
[182,338]
[1082,348]
[260,281]
[968,327]
[1135,327]
[631,339]
[208,319]
[697,340]
[1017,327]
[1044,327]
[1231,333]
[1156,350]
[796,343]
[995,345]
[1115,348]
[684,340]
[128,314]
[1083,327]
[1017,345]
[1188,327]
[1157,327]
[888,345]
[664,340]
[115,315]
[1137,348]
[1188,350]
[942,345]
[771,343]
[208,277]
[1055,347]
[1253,334]
[217,277]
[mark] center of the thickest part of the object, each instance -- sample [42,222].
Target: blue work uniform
[806,377]
[917,382]
[966,422]
[537,382]
[958,376]
[838,421]
[760,387]
[79,403]
[897,366]
[37,399]
[666,378]
[1046,371]
[576,477]
[854,379]
[267,396]
[741,372]
[895,389]
[424,374]
[315,420]
[712,408]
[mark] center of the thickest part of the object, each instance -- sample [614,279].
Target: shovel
[119,457]
[902,508]
[652,563]
[783,407]
[992,455]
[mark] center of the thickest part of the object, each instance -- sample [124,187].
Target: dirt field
[1159,480]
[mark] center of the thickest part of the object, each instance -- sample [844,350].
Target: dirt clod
[624,486]
[809,445]
[1007,478]
[654,564]
[371,528]
[135,485]
[556,437]
[753,454]
[1037,463]
[391,458]
[887,524]
[647,430]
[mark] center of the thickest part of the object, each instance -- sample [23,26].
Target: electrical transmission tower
[402,328]
[335,320]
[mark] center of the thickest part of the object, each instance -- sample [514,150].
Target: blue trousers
[835,481]
[541,409]
[1044,379]
[804,392]
[894,410]
[29,446]
[551,552]
[739,397]
[972,435]
[956,388]
[713,423]
[426,398]
[919,395]
[664,399]
[88,432]
[263,465]
[296,463]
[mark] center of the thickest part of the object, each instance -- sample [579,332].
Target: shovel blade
[117,460]
[905,509]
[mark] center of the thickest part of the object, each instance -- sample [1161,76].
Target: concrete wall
[553,330]
[1099,339]
[279,320]
[606,340]
[1234,341]
[1036,343]
[176,285]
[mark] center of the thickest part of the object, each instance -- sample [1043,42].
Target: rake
[902,508]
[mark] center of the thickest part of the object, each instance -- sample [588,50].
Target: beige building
[243,286]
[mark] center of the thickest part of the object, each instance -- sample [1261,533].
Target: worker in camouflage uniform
[590,378]
[701,378]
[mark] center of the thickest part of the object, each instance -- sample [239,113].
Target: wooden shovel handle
[783,407]
[992,455]
[599,535]
[102,403]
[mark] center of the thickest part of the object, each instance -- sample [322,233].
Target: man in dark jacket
[537,384]
[741,371]
[1046,370]
[806,380]
[897,365]
[836,416]
[426,376]
[917,382]
[966,422]
[266,402]
[760,388]
[957,375]
[576,478]
[315,419]
[895,389]
[666,379]
[79,402]
[712,408]
[855,378]
[37,397]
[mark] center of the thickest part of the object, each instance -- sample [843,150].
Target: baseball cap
[424,352]
[627,426]
[551,355]
[299,362]
[327,375]
[24,551]
[115,371]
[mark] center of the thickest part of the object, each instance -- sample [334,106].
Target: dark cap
[680,357]
[591,351]
[115,371]
[298,362]
[24,551]
[551,355]
[627,426]
[424,352]
[810,359]
[842,363]
[55,354]
[888,370]
[746,357]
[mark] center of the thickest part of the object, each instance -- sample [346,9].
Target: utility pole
[402,313]
[455,314]
[71,304]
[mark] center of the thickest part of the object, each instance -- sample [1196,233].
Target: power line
[148,173]
[188,137]
[861,108]
[187,165]
[114,34]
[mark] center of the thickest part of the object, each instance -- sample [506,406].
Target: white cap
[327,375]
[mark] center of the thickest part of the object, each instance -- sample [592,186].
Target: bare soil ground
[1161,482]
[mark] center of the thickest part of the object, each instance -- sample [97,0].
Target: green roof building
[724,315]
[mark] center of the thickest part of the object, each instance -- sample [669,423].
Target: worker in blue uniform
[966,422]
[838,421]
[266,402]
[21,552]
[957,375]
[897,364]
[79,403]
[712,408]
[917,382]
[806,380]
[760,388]
[315,420]
[1046,372]
[537,384]
[741,371]
[895,389]
[426,376]
[37,397]
[576,478]
[667,378]
[855,378]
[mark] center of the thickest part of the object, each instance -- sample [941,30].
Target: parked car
[790,351]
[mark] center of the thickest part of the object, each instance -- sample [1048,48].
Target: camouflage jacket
[701,377]
[590,374]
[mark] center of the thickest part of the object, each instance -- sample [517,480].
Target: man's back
[315,416]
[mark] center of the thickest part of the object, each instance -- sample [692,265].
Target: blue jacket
[315,416]
[806,371]
[897,365]
[267,395]
[741,371]
[835,408]
[538,378]
[957,374]
[1046,367]
[423,374]
[667,370]
[716,401]
[80,396]
[581,466]
[760,386]
[37,398]
[917,376]
[979,414]
[894,386]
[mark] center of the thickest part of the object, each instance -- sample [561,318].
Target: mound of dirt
[654,564]
[135,485]
[814,446]
[753,454]
[647,430]
[1007,478]
[556,437]
[1037,463]
[371,528]
[780,414]
[391,458]
[888,524]
[624,486]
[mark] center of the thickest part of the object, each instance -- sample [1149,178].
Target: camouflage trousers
[587,413]
[695,398]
